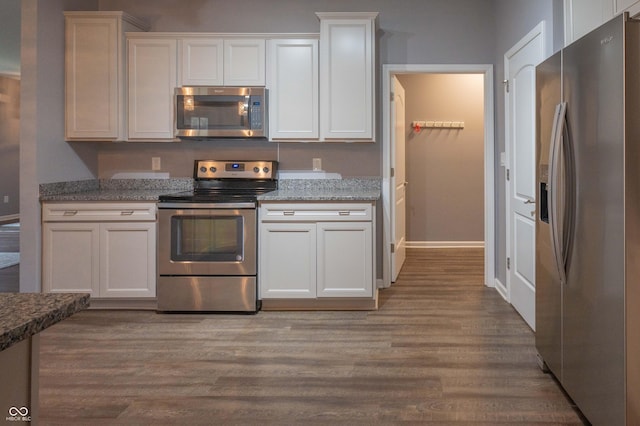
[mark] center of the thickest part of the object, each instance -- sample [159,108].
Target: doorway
[390,162]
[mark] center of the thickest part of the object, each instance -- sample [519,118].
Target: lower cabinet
[317,253]
[105,249]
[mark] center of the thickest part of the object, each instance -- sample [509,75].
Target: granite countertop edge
[23,315]
[114,189]
[349,189]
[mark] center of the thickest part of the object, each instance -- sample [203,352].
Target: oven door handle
[232,205]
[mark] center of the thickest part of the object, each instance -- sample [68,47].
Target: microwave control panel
[255,112]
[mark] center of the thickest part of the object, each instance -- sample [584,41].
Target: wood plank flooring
[10,242]
[442,349]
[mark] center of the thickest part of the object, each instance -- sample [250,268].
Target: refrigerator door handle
[569,193]
[555,188]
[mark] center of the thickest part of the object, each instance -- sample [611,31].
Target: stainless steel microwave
[225,112]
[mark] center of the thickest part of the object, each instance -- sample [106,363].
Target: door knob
[530,202]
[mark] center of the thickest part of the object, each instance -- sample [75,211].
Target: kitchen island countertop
[23,315]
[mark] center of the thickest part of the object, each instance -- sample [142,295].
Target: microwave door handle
[245,108]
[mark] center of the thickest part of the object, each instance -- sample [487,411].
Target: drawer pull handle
[288,213]
[344,213]
[70,212]
[126,213]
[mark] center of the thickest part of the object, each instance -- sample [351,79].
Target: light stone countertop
[114,189]
[350,189]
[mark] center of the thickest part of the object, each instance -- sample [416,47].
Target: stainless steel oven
[207,243]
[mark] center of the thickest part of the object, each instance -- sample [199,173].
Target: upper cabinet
[582,16]
[347,59]
[94,74]
[214,61]
[633,6]
[293,89]
[201,62]
[152,68]
[121,86]
[244,62]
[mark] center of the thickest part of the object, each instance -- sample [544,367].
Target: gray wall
[9,145]
[445,167]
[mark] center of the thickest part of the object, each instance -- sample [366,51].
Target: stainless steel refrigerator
[588,221]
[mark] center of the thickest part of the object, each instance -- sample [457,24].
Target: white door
[398,179]
[520,101]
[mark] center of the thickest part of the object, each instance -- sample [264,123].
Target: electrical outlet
[6,199]
[155,163]
[317,164]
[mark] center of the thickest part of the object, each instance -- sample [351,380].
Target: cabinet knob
[344,213]
[288,213]
[126,213]
[70,213]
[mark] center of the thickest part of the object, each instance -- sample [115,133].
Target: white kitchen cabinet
[632,6]
[288,260]
[244,62]
[582,16]
[70,252]
[94,74]
[345,259]
[316,255]
[214,60]
[152,78]
[201,61]
[105,249]
[293,89]
[347,78]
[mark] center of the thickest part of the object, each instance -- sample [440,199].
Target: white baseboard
[380,283]
[10,218]
[501,288]
[444,244]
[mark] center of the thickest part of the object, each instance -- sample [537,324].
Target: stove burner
[228,182]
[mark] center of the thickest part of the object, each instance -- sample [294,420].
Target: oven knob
[203,169]
[256,169]
[213,169]
[265,169]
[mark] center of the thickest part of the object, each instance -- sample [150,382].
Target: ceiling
[10,37]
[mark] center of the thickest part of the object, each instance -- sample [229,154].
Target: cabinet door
[293,89]
[152,80]
[71,258]
[346,79]
[128,259]
[582,16]
[244,62]
[201,62]
[345,259]
[287,260]
[622,5]
[92,68]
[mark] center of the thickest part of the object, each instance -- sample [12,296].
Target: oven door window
[207,238]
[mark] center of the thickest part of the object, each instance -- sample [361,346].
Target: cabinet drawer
[323,212]
[97,212]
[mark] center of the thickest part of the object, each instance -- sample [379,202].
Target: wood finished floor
[442,349]
[10,277]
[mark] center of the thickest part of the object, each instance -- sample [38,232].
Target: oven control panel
[215,169]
